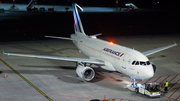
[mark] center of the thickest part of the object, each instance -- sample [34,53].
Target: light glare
[111,43]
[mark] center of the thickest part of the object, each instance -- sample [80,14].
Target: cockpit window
[137,63]
[133,62]
[148,63]
[143,63]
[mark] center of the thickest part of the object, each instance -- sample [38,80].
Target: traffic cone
[104,97]
[5,75]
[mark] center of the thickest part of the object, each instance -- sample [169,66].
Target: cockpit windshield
[137,63]
[143,63]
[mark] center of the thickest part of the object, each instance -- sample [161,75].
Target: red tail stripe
[75,24]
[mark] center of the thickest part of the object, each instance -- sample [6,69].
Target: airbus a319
[109,56]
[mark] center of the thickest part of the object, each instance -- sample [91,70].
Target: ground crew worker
[166,86]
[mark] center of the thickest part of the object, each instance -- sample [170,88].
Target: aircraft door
[124,61]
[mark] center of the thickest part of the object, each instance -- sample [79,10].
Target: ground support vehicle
[149,89]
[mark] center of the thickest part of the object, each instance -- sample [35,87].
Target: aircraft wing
[93,61]
[149,52]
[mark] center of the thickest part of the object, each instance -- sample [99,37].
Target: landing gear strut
[134,83]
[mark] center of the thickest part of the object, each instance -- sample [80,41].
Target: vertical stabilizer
[77,21]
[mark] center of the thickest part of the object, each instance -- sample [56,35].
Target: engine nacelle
[85,73]
[154,67]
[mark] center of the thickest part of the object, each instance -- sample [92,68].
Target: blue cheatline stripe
[77,19]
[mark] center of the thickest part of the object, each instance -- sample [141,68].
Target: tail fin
[77,21]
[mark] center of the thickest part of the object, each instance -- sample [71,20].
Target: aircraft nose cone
[150,74]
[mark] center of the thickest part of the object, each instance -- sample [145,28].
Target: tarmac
[41,79]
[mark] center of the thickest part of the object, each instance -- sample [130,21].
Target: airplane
[106,55]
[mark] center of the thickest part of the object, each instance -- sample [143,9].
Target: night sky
[105,3]
[35,25]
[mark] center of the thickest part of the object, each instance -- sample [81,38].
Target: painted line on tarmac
[101,72]
[46,93]
[115,79]
[139,81]
[70,96]
[53,49]
[165,79]
[173,78]
[177,98]
[147,81]
[60,53]
[158,78]
[26,80]
[174,91]
[46,45]
[174,84]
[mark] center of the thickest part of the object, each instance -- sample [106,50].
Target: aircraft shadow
[67,74]
[62,74]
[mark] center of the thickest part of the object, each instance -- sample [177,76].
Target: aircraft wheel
[136,90]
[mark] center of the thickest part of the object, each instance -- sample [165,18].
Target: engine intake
[85,73]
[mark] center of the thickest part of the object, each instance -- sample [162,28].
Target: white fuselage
[120,57]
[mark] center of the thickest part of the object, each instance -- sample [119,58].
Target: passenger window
[137,63]
[142,63]
[148,63]
[133,62]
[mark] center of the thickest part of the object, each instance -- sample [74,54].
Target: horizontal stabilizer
[95,36]
[59,37]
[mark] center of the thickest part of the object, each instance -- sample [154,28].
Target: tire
[137,90]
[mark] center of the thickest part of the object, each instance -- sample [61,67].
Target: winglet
[5,53]
[175,43]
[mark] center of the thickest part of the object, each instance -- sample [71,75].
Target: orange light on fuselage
[111,43]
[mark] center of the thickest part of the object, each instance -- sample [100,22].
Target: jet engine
[154,67]
[85,73]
